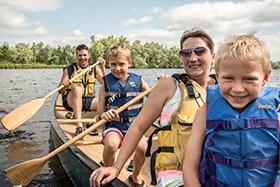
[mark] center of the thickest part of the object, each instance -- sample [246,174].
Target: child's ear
[266,77]
[217,74]
[129,63]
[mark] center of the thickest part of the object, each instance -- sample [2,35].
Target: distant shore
[30,66]
[8,65]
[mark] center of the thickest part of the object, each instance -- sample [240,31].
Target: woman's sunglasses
[199,51]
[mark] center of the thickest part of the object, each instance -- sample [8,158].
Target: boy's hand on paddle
[102,176]
[110,114]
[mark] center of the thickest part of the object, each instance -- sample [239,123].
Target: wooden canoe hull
[76,163]
[80,159]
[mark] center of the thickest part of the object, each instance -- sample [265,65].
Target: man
[79,94]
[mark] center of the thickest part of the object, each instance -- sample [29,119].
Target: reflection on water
[21,150]
[32,139]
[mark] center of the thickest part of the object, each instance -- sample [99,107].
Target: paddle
[84,120]
[24,173]
[24,112]
[82,143]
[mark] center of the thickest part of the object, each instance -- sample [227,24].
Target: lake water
[32,139]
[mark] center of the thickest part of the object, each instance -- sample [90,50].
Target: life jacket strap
[238,124]
[190,88]
[242,124]
[132,107]
[114,95]
[153,162]
[243,164]
[150,140]
[153,169]
[124,120]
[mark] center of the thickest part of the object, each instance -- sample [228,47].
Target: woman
[197,55]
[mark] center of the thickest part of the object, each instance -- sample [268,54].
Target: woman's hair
[197,33]
[246,48]
[119,49]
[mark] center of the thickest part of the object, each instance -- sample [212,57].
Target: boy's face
[240,82]
[82,58]
[119,66]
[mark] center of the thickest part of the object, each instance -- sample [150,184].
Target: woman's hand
[103,175]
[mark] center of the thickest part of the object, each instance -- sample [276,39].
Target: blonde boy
[238,137]
[119,87]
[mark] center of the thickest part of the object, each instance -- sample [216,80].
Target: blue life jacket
[118,94]
[241,149]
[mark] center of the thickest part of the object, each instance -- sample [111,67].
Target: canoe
[81,158]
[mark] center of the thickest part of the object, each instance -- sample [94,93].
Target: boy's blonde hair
[245,47]
[119,49]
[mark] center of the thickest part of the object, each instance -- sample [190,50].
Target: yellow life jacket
[173,138]
[86,81]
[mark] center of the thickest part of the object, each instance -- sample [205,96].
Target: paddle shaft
[96,125]
[84,120]
[73,78]
[99,141]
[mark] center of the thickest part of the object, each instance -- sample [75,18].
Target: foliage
[275,65]
[39,55]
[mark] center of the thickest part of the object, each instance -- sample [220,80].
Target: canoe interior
[90,149]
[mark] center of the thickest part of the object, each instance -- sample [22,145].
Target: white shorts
[112,129]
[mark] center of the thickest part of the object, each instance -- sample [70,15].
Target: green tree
[173,58]
[156,55]
[22,54]
[66,54]
[38,52]
[139,55]
[5,52]
[47,54]
[275,65]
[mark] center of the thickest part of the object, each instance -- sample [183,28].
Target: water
[32,140]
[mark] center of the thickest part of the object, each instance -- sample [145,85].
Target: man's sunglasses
[199,51]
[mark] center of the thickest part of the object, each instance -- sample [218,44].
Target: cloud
[154,24]
[11,19]
[77,32]
[144,19]
[155,10]
[32,5]
[162,36]
[14,18]
[225,16]
[273,42]
[39,31]
[218,18]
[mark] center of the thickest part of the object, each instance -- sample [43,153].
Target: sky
[61,22]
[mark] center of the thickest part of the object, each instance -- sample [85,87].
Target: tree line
[147,55]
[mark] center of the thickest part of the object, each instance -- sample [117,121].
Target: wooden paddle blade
[24,173]
[21,114]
